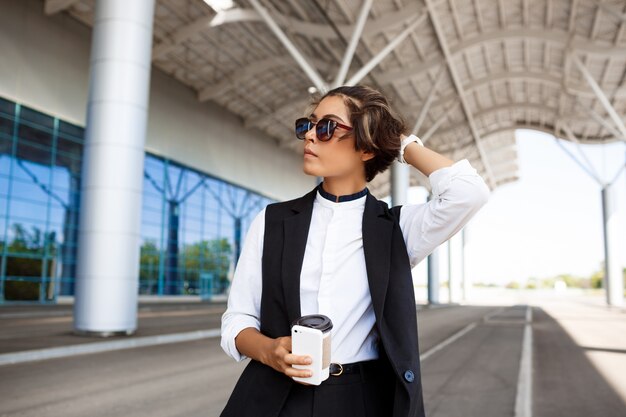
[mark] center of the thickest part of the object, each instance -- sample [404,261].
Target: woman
[340,252]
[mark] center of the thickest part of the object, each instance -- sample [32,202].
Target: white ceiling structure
[464,73]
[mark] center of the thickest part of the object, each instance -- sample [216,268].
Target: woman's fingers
[300,373]
[284,359]
[292,359]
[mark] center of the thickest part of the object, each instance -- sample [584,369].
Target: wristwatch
[405,142]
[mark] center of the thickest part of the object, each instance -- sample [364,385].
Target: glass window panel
[23,277]
[6,148]
[4,184]
[35,134]
[33,153]
[36,118]
[206,229]
[70,131]
[194,200]
[151,220]
[6,107]
[26,237]
[57,214]
[191,237]
[28,190]
[3,225]
[191,211]
[69,148]
[61,183]
[152,201]
[27,210]
[68,162]
[22,170]
[191,226]
[151,232]
[6,127]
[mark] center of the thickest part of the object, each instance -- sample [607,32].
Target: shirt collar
[341,198]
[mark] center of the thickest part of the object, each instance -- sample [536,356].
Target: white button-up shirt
[333,278]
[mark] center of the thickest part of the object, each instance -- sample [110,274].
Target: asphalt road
[476,374]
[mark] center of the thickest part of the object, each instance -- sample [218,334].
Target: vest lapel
[296,229]
[377,231]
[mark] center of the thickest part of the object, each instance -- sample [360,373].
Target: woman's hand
[279,357]
[272,352]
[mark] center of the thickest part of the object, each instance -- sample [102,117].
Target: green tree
[149,267]
[596,279]
[207,256]
[25,261]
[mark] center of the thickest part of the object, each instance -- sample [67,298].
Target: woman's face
[336,157]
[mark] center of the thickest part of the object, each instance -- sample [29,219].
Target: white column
[613,279]
[455,247]
[433,276]
[464,282]
[399,183]
[433,273]
[112,173]
[469,263]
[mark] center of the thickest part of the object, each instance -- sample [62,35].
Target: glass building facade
[192,224]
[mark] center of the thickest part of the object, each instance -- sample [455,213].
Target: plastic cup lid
[314,321]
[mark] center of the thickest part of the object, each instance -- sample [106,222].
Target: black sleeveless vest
[260,390]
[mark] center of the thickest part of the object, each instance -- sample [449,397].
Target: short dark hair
[377,128]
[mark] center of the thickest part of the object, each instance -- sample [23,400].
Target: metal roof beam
[308,69]
[612,11]
[433,128]
[505,166]
[570,135]
[595,116]
[601,96]
[426,105]
[571,155]
[354,40]
[459,87]
[559,37]
[55,6]
[433,62]
[507,147]
[308,29]
[385,51]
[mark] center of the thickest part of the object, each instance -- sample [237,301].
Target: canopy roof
[464,73]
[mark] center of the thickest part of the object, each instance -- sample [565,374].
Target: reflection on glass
[192,224]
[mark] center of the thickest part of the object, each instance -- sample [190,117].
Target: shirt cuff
[228,336]
[440,178]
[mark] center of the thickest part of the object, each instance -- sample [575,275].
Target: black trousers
[365,394]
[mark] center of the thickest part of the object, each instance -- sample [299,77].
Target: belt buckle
[340,369]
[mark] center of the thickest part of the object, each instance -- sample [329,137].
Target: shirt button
[409,376]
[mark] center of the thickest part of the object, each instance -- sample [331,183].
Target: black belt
[338,369]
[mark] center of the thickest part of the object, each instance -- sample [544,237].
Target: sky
[549,222]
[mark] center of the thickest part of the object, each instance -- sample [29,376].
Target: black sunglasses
[324,128]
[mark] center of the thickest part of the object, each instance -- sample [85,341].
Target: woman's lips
[309,153]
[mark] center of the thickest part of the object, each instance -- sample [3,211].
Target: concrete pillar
[112,171]
[613,279]
[455,247]
[433,273]
[433,277]
[462,266]
[399,183]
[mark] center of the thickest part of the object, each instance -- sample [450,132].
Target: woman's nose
[310,134]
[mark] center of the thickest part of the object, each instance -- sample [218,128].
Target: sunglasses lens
[302,126]
[325,129]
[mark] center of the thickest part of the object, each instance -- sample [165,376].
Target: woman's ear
[366,156]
